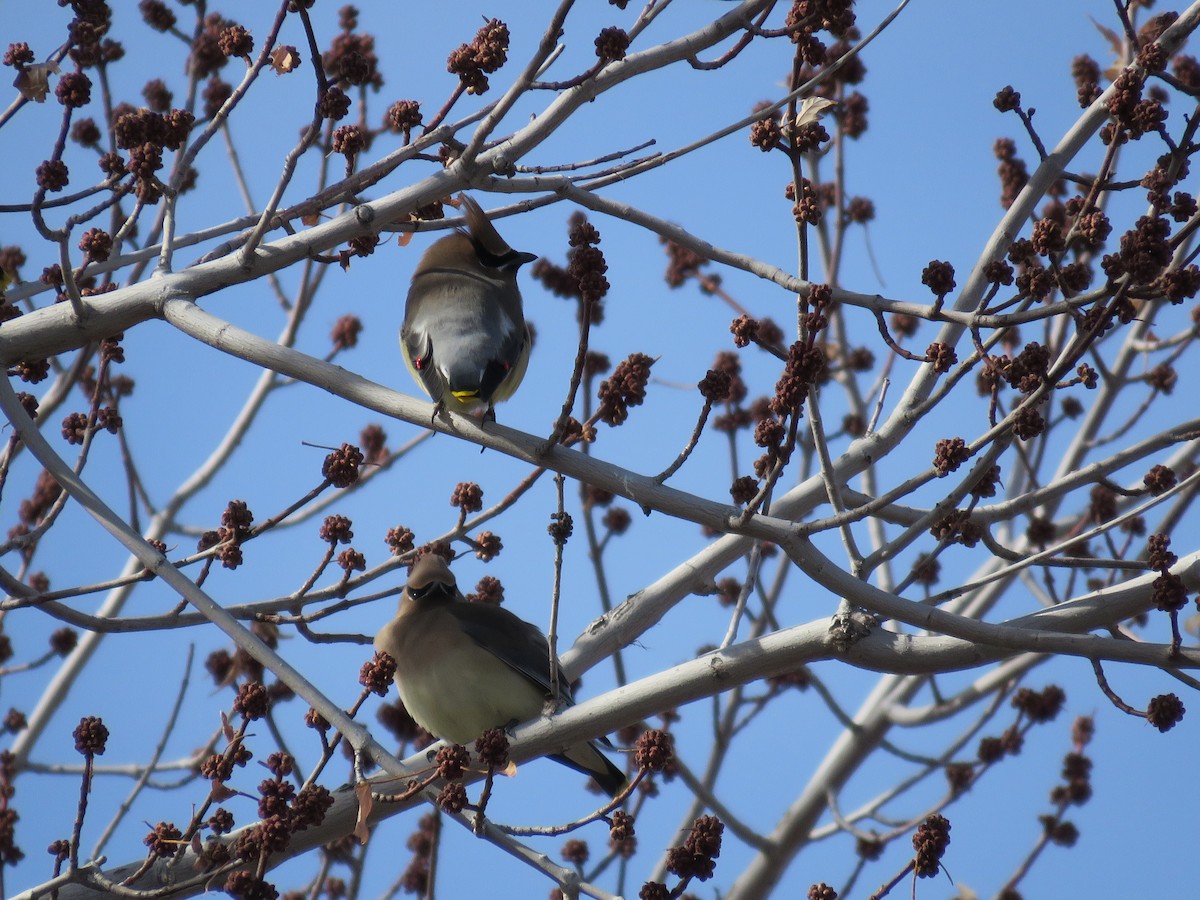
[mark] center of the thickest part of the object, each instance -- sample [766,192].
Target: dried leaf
[33,81]
[811,110]
[285,59]
[201,862]
[1192,625]
[1114,40]
[362,790]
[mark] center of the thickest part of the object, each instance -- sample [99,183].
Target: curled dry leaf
[284,59]
[362,791]
[811,110]
[197,848]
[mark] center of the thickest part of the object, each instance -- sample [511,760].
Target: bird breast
[454,688]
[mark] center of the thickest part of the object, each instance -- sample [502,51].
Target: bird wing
[505,371]
[418,357]
[518,644]
[522,647]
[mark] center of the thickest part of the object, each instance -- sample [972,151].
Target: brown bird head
[431,579]
[491,249]
[478,249]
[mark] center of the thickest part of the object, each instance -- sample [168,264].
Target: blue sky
[926,163]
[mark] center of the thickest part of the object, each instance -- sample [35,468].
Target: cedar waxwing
[463,667]
[464,335]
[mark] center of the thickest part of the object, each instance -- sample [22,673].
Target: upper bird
[464,335]
[463,667]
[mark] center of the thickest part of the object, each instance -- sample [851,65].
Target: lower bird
[464,335]
[462,667]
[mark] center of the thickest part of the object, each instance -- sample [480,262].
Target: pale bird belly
[467,691]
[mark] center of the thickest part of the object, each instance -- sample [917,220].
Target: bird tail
[588,759]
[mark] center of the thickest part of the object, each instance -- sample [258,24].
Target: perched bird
[463,667]
[464,335]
